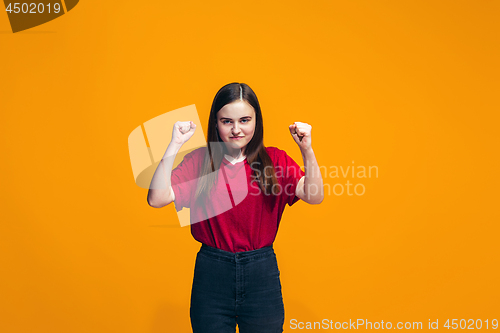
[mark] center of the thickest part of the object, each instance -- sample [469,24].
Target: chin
[235,145]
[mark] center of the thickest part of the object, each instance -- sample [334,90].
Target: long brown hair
[255,150]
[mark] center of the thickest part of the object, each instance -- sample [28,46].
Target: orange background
[411,88]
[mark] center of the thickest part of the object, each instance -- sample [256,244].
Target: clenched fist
[183,131]
[301,133]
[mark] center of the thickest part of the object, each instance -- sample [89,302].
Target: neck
[236,153]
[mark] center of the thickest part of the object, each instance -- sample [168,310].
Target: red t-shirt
[237,216]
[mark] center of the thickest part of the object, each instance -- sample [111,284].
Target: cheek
[223,131]
[250,130]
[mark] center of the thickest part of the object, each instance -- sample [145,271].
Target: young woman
[236,189]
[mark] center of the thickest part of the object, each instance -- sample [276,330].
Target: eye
[225,122]
[244,120]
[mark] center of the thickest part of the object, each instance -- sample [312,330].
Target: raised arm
[310,187]
[160,191]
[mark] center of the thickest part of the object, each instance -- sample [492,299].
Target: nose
[236,130]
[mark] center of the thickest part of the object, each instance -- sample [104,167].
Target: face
[236,125]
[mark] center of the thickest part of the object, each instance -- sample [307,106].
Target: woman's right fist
[183,131]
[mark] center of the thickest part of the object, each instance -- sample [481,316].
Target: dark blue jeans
[232,289]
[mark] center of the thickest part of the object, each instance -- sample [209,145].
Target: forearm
[313,181]
[159,193]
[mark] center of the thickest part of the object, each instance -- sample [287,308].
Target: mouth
[236,137]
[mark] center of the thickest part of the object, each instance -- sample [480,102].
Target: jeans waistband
[243,256]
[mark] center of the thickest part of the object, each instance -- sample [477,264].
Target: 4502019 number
[33,8]
[470,324]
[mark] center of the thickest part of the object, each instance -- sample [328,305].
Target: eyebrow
[223,118]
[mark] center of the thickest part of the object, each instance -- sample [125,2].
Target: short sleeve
[184,179]
[292,173]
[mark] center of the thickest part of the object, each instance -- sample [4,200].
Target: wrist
[306,151]
[172,149]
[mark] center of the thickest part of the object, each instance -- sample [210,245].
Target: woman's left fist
[301,133]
